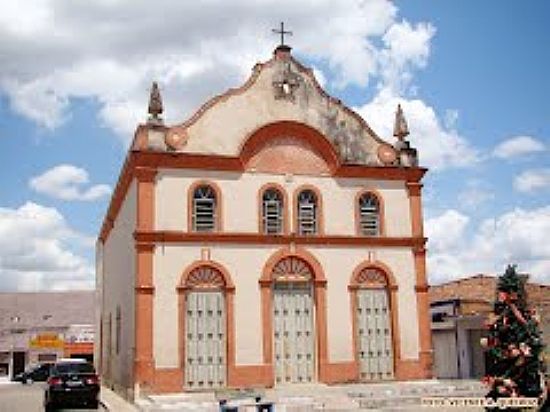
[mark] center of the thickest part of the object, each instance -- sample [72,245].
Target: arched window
[272,212]
[308,222]
[204,209]
[369,215]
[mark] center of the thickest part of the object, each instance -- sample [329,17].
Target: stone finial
[155,104]
[400,129]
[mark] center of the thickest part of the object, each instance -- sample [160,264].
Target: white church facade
[272,238]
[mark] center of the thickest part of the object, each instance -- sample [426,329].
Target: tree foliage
[514,366]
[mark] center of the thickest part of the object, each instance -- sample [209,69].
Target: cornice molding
[165,237]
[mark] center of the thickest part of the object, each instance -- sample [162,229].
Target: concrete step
[386,396]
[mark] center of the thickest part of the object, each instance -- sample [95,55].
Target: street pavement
[16,397]
[386,397]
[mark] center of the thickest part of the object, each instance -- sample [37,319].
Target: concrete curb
[111,401]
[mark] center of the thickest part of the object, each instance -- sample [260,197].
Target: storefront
[43,327]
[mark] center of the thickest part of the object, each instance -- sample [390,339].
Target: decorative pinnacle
[400,128]
[155,103]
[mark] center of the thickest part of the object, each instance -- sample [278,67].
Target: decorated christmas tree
[514,366]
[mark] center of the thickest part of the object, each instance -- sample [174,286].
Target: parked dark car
[72,382]
[37,373]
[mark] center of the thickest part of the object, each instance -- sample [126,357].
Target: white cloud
[35,252]
[25,18]
[111,51]
[407,48]
[446,231]
[67,182]
[532,180]
[320,76]
[475,194]
[517,237]
[518,146]
[38,100]
[439,146]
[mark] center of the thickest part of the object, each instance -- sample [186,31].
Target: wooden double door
[294,332]
[205,343]
[374,334]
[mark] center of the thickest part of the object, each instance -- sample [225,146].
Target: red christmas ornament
[502,390]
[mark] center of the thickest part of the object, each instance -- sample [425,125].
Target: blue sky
[471,76]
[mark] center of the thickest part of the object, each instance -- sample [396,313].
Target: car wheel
[48,407]
[94,404]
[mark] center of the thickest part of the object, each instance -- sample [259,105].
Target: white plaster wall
[240,200]
[118,287]
[339,264]
[245,265]
[216,130]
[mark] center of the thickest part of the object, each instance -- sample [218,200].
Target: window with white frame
[204,209]
[369,215]
[272,212]
[307,213]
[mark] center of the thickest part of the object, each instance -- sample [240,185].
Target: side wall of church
[117,291]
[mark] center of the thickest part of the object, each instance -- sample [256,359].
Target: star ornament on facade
[286,83]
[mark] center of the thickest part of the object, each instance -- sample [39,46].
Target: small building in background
[43,327]
[459,310]
[455,334]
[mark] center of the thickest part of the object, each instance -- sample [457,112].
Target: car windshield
[69,367]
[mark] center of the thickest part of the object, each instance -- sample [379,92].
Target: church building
[271,238]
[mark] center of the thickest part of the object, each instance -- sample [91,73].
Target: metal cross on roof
[282,32]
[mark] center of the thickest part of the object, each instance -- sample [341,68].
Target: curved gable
[280,90]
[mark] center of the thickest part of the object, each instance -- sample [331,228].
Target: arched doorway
[372,303]
[203,297]
[293,321]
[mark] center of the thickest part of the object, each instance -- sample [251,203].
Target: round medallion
[175,138]
[386,154]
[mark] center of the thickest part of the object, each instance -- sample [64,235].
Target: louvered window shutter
[369,215]
[204,209]
[272,213]
[307,213]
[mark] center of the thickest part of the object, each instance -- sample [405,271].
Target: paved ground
[383,397]
[15,397]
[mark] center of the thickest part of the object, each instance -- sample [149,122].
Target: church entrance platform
[387,396]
